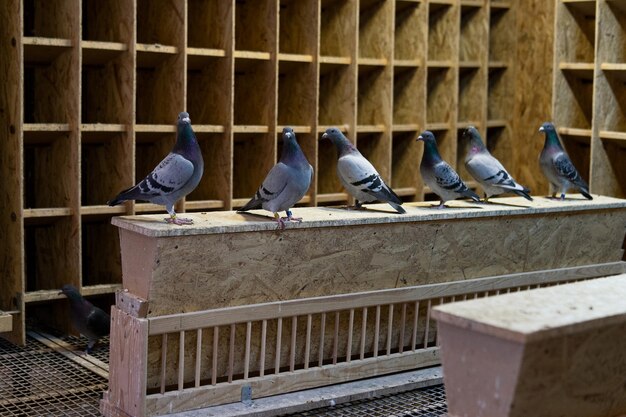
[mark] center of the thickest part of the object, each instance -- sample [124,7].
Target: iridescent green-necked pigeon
[439,176]
[286,183]
[176,176]
[557,167]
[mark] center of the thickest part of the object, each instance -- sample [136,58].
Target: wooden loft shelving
[588,97]
[380,70]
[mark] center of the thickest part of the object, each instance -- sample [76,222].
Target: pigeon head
[186,142]
[291,150]
[70,292]
[183,117]
[552,138]
[430,145]
[474,142]
[338,139]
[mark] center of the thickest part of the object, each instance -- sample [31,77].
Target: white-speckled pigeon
[557,167]
[176,176]
[89,320]
[487,170]
[286,183]
[358,175]
[439,176]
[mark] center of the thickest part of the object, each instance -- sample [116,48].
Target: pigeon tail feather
[127,194]
[398,207]
[524,193]
[586,194]
[254,203]
[471,194]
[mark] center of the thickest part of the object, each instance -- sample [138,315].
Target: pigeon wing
[359,172]
[566,169]
[273,184]
[99,322]
[488,169]
[169,176]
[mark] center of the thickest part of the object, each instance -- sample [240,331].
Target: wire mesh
[422,402]
[37,381]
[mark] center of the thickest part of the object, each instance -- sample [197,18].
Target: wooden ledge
[543,313]
[317,217]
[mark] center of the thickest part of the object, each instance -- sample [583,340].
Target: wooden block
[549,352]
[6,322]
[359,260]
[127,363]
[131,304]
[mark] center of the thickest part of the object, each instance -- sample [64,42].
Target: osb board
[533,89]
[12,243]
[543,313]
[127,377]
[370,250]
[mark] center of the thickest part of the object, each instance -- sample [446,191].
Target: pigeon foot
[179,220]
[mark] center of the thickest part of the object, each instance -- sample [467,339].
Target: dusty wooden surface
[335,251]
[550,352]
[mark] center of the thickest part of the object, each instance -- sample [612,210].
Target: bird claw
[292,219]
[179,220]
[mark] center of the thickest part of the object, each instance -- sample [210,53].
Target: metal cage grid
[422,402]
[37,381]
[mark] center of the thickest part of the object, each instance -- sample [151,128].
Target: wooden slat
[336,338]
[389,329]
[172,402]
[363,333]
[246,360]
[292,349]
[231,353]
[240,314]
[263,342]
[215,355]
[163,361]
[376,331]
[402,324]
[181,360]
[307,342]
[279,336]
[350,331]
[322,333]
[428,306]
[416,307]
[198,357]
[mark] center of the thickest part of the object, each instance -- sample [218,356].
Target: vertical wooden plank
[363,333]
[215,355]
[416,307]
[246,363]
[336,338]
[163,361]
[279,336]
[389,329]
[11,166]
[320,361]
[198,356]
[292,353]
[402,324]
[377,331]
[231,353]
[350,331]
[263,342]
[307,343]
[128,363]
[428,306]
[181,360]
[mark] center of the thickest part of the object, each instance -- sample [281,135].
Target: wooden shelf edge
[332,197]
[371,128]
[155,48]
[497,123]
[204,204]
[103,46]
[405,191]
[613,66]
[409,127]
[263,56]
[87,291]
[335,60]
[439,126]
[46,213]
[102,209]
[206,52]
[296,128]
[613,136]
[154,128]
[102,127]
[99,289]
[442,64]
[251,129]
[285,57]
[344,128]
[572,131]
[373,62]
[407,63]
[46,42]
[46,127]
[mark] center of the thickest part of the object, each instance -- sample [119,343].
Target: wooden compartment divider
[92,91]
[589,100]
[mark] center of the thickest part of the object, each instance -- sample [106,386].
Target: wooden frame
[386,340]
[380,70]
[588,84]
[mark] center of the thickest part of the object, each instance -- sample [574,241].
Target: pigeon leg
[440,206]
[91,345]
[176,220]
[279,220]
[562,196]
[291,218]
[357,206]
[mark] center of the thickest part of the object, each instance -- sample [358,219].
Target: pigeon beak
[288,134]
[325,136]
[541,129]
[420,137]
[186,119]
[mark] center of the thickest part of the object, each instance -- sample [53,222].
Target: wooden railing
[291,345]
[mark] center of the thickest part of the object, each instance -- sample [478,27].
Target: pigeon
[439,176]
[88,319]
[557,167]
[358,175]
[286,183]
[487,170]
[176,176]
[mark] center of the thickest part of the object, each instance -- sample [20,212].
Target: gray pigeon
[557,167]
[439,176]
[487,170]
[286,183]
[88,319]
[358,175]
[176,176]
